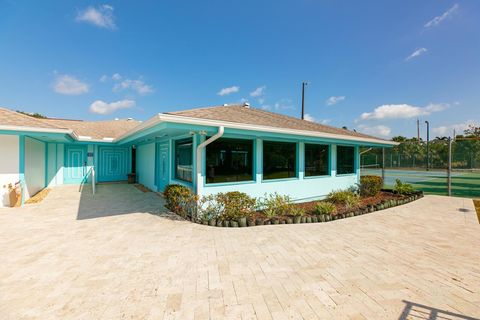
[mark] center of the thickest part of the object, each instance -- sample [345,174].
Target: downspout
[200,147]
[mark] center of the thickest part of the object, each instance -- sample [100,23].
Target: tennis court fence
[428,171]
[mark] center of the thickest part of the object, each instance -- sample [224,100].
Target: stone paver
[119,257]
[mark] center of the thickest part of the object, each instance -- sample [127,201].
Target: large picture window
[316,160]
[345,160]
[279,160]
[229,160]
[184,159]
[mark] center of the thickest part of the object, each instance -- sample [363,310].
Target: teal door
[75,164]
[112,164]
[163,166]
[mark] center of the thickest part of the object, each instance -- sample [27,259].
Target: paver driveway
[116,257]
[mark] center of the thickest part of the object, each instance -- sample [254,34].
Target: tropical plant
[235,205]
[402,188]
[346,197]
[180,200]
[296,211]
[274,205]
[325,207]
[209,208]
[370,186]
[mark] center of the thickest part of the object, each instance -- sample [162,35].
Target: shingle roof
[93,129]
[96,129]
[242,114]
[13,118]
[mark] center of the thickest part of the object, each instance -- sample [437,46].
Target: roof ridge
[298,119]
[204,108]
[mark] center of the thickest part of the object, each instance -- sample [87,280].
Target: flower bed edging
[244,222]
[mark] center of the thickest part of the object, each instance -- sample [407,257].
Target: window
[229,160]
[279,160]
[316,160]
[345,160]
[184,159]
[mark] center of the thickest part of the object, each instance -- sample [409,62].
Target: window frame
[354,160]
[297,160]
[174,162]
[329,160]
[254,164]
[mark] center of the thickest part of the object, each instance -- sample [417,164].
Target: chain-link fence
[426,167]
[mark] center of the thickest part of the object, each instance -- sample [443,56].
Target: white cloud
[437,20]
[116,77]
[334,100]
[283,104]
[448,129]
[104,78]
[229,90]
[260,91]
[137,85]
[310,118]
[416,53]
[397,111]
[102,107]
[66,84]
[101,16]
[379,130]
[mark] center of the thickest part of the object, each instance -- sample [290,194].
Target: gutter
[71,133]
[162,117]
[200,147]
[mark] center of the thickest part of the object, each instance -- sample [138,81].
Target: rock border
[244,222]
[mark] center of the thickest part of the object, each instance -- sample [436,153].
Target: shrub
[209,208]
[402,188]
[370,186]
[180,200]
[346,197]
[296,211]
[275,205]
[235,205]
[325,207]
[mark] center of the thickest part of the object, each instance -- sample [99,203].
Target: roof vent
[116,119]
[129,119]
[225,104]
[246,105]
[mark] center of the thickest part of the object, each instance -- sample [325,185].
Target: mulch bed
[309,207]
[476,203]
[38,197]
[384,200]
[142,188]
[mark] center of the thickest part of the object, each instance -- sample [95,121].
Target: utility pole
[428,140]
[304,83]
[449,169]
[383,167]
[418,130]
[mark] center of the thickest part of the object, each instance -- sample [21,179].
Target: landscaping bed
[237,209]
[384,200]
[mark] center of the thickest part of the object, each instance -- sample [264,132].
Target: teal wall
[146,165]
[299,189]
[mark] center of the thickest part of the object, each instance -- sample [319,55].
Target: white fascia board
[40,130]
[144,125]
[234,125]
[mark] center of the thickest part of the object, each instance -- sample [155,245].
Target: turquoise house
[210,150]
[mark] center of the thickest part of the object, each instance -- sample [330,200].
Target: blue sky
[371,65]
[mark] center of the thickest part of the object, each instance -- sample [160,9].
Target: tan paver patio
[111,258]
